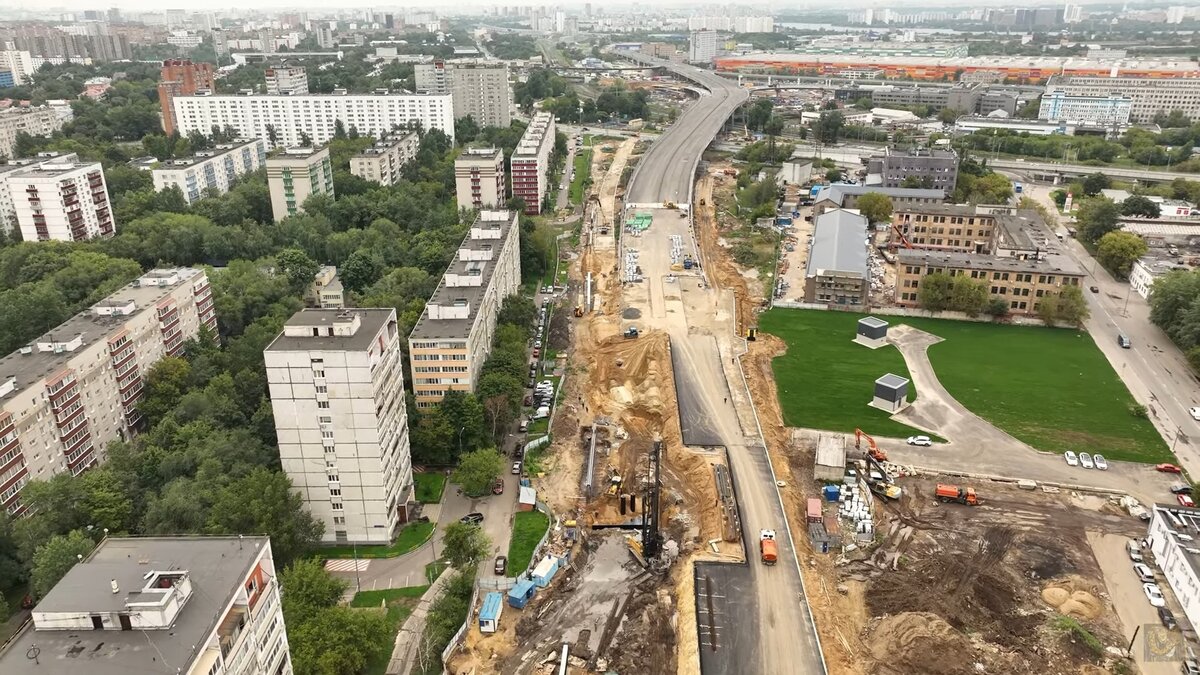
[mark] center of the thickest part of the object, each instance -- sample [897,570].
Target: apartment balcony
[231,629]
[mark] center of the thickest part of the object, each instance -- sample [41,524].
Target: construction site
[945,578]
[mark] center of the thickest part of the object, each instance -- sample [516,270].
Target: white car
[1085,460]
[1100,462]
[1195,413]
[1072,459]
[1134,547]
[1143,571]
[1154,595]
[919,440]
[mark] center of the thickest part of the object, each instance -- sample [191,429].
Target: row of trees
[1175,308]
[940,292]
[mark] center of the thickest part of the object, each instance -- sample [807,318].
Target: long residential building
[1110,110]
[315,115]
[479,178]
[480,88]
[190,605]
[1148,95]
[337,392]
[70,392]
[384,162]
[35,121]
[453,337]
[214,169]
[530,162]
[181,77]
[58,197]
[295,175]
[285,81]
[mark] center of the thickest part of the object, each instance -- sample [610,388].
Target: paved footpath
[404,654]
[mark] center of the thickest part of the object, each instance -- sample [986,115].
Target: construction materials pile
[639,223]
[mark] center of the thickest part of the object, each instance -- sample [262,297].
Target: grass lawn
[583,168]
[400,604]
[1051,388]
[528,528]
[429,487]
[411,537]
[434,569]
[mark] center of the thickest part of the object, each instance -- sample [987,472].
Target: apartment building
[1172,538]
[453,337]
[479,178]
[846,196]
[1148,95]
[480,89]
[254,116]
[384,162]
[837,271]
[337,391]
[530,162]
[35,121]
[702,46]
[70,392]
[295,175]
[286,81]
[59,197]
[181,77]
[1111,110]
[215,169]
[432,77]
[935,169]
[326,290]
[20,63]
[190,605]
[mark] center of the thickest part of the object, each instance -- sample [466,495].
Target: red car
[1185,500]
[498,487]
[1168,468]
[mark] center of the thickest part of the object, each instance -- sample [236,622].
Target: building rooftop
[1052,263]
[216,567]
[428,328]
[1059,63]
[892,381]
[477,154]
[386,143]
[205,155]
[535,134]
[298,153]
[839,243]
[50,352]
[837,193]
[873,322]
[335,94]
[1185,524]
[309,330]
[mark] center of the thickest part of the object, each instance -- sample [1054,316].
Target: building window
[319,374]
[336,506]
[322,404]
[337,492]
[339,520]
[325,420]
[322,389]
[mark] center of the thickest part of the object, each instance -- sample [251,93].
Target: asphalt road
[667,171]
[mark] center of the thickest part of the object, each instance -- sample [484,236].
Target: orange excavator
[872,449]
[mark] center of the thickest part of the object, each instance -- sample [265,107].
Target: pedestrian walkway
[408,640]
[347,565]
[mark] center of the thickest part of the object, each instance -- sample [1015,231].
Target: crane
[903,239]
[872,449]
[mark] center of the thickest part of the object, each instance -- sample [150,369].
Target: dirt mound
[1073,596]
[918,642]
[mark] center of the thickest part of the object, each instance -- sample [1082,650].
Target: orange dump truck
[953,493]
[766,547]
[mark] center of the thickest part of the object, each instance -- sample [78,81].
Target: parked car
[1181,489]
[516,468]
[501,565]
[1100,462]
[1071,457]
[1085,460]
[923,441]
[1195,413]
[1185,500]
[1094,289]
[1134,547]
[498,487]
[1143,571]
[474,518]
[1190,667]
[523,426]
[1154,594]
[1168,468]
[1167,618]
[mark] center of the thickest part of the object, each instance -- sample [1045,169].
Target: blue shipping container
[832,492]
[521,594]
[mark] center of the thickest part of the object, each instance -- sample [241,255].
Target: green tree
[833,175]
[465,545]
[1047,309]
[56,557]
[336,640]
[876,207]
[828,126]
[759,113]
[1097,217]
[1072,307]
[360,270]
[297,268]
[1117,251]
[949,115]
[166,383]
[1175,307]
[934,293]
[306,587]
[968,295]
[263,502]
[997,307]
[1139,205]
[917,182]
[1094,183]
[477,470]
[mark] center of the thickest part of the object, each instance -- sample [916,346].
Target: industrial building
[1112,110]
[337,392]
[479,181]
[1149,94]
[927,167]
[384,161]
[69,393]
[215,169]
[453,336]
[1021,282]
[970,98]
[839,196]
[837,272]
[295,175]
[314,115]
[530,162]
[189,604]
[58,197]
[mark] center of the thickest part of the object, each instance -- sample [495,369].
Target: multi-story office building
[287,117]
[453,337]
[968,97]
[1148,96]
[35,121]
[190,605]
[929,168]
[214,169]
[337,390]
[384,161]
[1112,110]
[70,392]
[295,175]
[59,198]
[479,89]
[837,271]
[479,178]
[1022,282]
[284,80]
[702,46]
[530,162]
[181,77]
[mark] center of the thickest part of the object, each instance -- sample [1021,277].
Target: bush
[1077,632]
[1138,410]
